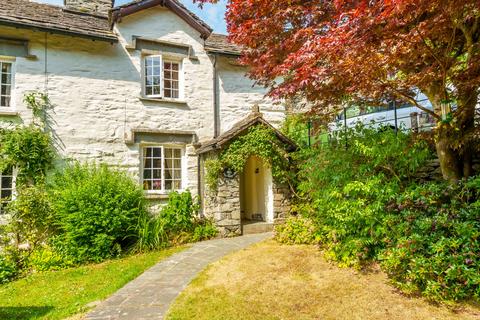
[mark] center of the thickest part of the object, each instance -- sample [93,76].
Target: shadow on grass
[23,313]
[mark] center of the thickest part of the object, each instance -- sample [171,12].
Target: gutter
[216,102]
[111,39]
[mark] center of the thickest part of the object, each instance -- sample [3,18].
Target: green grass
[60,294]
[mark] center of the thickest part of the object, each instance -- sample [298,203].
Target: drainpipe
[216,104]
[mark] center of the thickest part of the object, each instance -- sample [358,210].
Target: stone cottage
[143,86]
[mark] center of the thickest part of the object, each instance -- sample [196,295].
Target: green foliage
[434,240]
[204,229]
[96,210]
[45,259]
[32,221]
[259,141]
[8,269]
[348,188]
[179,213]
[28,149]
[296,230]
[177,223]
[151,234]
[296,128]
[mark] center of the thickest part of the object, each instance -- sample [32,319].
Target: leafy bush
[204,229]
[151,234]
[347,189]
[8,269]
[434,244]
[96,210]
[177,223]
[32,219]
[45,259]
[179,213]
[29,149]
[296,230]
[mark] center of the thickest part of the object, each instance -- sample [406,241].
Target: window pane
[5,194]
[168,153]
[147,174]
[167,84]
[6,182]
[148,91]
[147,185]
[6,67]
[168,93]
[157,174]
[156,71]
[147,163]
[157,163]
[157,185]
[156,90]
[168,184]
[157,152]
[177,185]
[6,78]
[174,94]
[177,174]
[148,152]
[168,174]
[175,66]
[5,90]
[167,65]
[178,153]
[156,61]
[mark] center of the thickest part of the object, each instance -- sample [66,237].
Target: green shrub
[32,219]
[204,229]
[434,240]
[29,149]
[179,213]
[45,259]
[151,234]
[347,189]
[8,269]
[296,230]
[96,210]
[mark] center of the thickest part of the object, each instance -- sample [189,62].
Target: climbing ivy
[260,141]
[28,148]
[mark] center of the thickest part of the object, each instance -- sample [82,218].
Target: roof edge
[189,17]
[33,26]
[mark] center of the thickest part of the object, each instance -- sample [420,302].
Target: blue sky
[214,15]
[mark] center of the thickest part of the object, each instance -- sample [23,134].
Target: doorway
[256,193]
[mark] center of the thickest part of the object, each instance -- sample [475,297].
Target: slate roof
[218,43]
[45,17]
[254,118]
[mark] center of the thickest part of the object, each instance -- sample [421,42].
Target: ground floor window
[162,168]
[7,181]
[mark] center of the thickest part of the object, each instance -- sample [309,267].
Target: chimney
[98,7]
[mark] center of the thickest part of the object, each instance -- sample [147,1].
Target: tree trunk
[467,101]
[449,162]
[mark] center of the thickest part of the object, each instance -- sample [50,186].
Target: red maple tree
[335,52]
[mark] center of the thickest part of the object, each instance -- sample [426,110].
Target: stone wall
[282,197]
[223,205]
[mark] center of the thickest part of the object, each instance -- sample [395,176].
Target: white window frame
[183,182]
[163,59]
[13,189]
[12,81]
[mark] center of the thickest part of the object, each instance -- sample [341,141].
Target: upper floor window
[7,181]
[6,78]
[162,168]
[162,78]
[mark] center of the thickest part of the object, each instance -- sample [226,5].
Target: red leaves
[363,49]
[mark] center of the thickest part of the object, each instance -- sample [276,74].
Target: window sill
[8,113]
[156,196]
[176,101]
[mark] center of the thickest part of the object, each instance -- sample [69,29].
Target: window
[162,78]
[6,77]
[7,186]
[162,169]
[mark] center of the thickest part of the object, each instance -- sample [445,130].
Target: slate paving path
[149,296]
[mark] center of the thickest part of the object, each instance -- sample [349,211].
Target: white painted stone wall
[95,88]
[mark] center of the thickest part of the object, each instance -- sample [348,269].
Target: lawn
[273,281]
[60,294]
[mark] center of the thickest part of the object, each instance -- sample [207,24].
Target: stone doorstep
[259,227]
